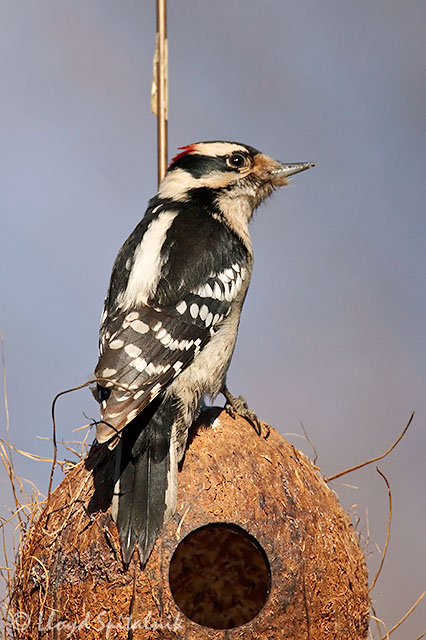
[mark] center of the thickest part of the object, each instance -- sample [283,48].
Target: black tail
[145,479]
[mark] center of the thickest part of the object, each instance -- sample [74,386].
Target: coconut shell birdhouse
[259,547]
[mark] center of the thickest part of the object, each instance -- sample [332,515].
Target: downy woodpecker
[170,322]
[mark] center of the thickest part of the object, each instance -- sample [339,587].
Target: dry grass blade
[55,399]
[379,570]
[28,503]
[364,464]
[399,623]
[311,443]
[55,445]
[379,621]
[7,458]
[409,612]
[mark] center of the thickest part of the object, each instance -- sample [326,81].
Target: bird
[170,322]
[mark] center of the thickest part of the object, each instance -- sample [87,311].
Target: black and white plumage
[170,322]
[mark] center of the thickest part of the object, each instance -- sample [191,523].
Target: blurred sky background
[333,330]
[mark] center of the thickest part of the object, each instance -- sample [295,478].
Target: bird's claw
[238,405]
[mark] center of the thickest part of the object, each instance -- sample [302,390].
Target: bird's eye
[236,160]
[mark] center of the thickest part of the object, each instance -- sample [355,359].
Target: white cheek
[176,185]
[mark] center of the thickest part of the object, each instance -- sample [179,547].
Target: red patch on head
[188,149]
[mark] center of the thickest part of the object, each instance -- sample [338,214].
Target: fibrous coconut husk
[283,557]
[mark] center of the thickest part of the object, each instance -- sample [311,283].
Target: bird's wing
[143,349]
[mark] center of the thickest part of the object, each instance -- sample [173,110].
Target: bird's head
[232,178]
[229,168]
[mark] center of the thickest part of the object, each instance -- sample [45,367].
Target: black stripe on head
[198,165]
[202,162]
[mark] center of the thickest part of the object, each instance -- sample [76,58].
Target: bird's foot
[238,405]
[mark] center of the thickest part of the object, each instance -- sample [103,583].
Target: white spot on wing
[113,414]
[181,307]
[217,292]
[116,344]
[139,364]
[155,389]
[166,340]
[193,310]
[139,326]
[132,350]
[228,296]
[133,315]
[150,368]
[208,291]
[108,372]
[230,273]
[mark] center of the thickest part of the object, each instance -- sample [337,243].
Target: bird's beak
[280,173]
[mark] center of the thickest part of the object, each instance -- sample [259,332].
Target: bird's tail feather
[146,480]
